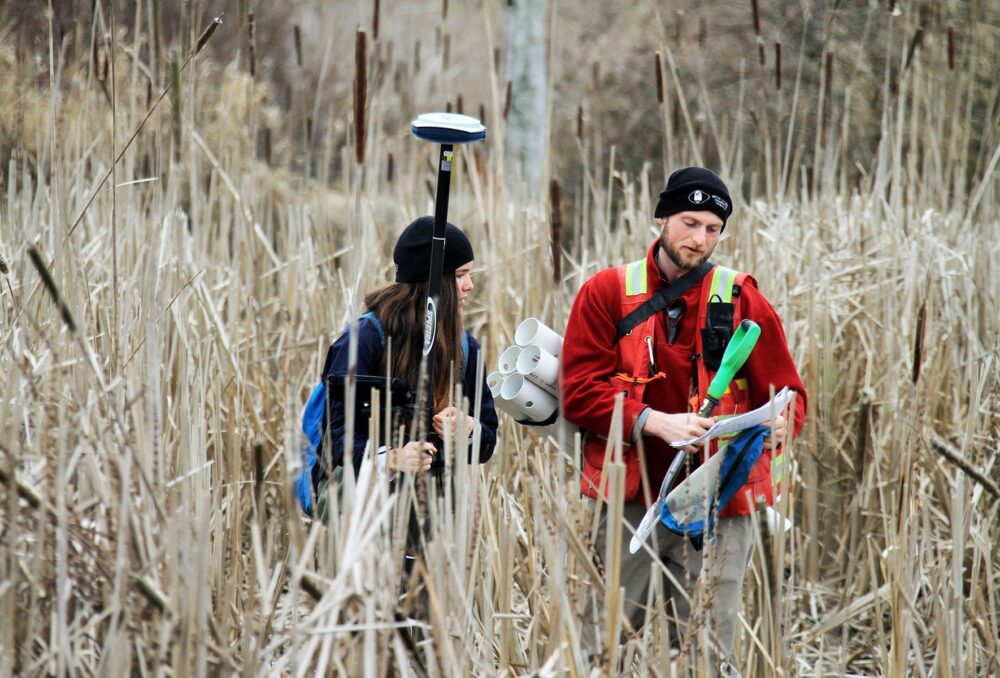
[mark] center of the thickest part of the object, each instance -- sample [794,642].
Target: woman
[395,319]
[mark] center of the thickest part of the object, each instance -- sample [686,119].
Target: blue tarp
[739,456]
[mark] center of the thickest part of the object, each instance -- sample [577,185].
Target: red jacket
[590,357]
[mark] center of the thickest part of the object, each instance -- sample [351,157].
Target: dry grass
[146,516]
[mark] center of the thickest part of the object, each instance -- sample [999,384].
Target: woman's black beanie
[695,189]
[412,254]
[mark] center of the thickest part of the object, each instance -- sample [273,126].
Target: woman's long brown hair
[401,308]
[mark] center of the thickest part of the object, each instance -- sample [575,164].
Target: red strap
[639,380]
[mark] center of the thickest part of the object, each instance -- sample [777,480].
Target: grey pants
[323,493]
[715,589]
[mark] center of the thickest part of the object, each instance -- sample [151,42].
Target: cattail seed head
[175,101]
[252,35]
[50,286]
[555,223]
[951,49]
[297,39]
[3,265]
[777,66]
[658,71]
[827,96]
[918,38]
[918,342]
[207,33]
[360,93]
[258,473]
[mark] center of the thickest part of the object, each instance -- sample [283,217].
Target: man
[663,364]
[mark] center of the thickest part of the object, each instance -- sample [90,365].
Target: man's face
[688,238]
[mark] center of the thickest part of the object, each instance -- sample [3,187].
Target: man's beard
[674,255]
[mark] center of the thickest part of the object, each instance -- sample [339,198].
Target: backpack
[312,421]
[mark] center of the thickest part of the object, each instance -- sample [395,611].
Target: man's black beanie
[695,189]
[412,254]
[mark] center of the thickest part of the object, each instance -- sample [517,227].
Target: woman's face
[463,283]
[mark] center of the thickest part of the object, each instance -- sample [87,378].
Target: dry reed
[147,516]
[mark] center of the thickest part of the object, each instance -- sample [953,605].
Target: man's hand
[777,433]
[414,457]
[448,417]
[674,427]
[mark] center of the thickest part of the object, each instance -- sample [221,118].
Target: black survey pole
[437,264]
[446,129]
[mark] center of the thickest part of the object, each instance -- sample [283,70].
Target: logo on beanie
[698,196]
[721,203]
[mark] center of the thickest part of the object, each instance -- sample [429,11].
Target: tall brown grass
[147,517]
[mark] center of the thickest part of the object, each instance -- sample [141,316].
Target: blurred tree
[528,108]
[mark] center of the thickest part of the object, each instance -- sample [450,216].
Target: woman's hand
[777,433]
[448,417]
[674,427]
[414,457]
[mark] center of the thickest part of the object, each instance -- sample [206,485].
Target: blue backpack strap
[374,319]
[465,351]
[312,427]
[312,424]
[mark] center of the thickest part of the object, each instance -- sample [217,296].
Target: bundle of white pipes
[526,383]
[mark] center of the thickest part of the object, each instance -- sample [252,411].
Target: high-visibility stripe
[741,383]
[722,283]
[635,278]
[778,468]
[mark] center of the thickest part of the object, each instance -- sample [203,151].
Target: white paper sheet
[743,421]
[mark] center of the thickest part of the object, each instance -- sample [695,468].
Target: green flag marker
[737,352]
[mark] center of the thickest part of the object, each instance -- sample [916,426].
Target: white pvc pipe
[510,409]
[508,360]
[536,404]
[540,367]
[533,331]
[495,381]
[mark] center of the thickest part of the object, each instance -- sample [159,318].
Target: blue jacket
[370,348]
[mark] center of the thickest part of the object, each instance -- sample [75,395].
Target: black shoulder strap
[662,299]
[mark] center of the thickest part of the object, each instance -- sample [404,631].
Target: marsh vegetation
[210,205]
